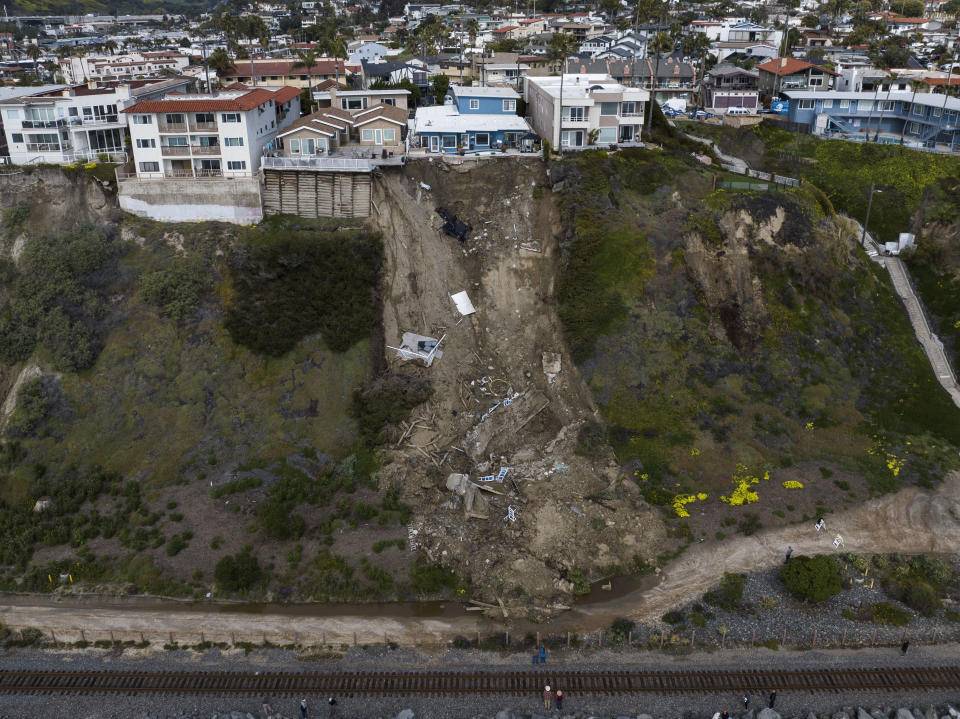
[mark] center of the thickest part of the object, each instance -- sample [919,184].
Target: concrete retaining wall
[235,199]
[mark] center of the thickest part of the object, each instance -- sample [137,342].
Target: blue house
[925,120]
[473,119]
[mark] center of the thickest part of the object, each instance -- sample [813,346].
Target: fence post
[753,638]
[506,641]
[568,640]
[171,637]
[600,639]
[934,636]
[693,638]
[53,636]
[723,639]
[904,637]
[630,638]
[661,639]
[111,636]
[83,637]
[233,639]
[874,640]
[538,639]
[324,638]
[202,638]
[814,638]
[783,641]
[478,639]
[264,637]
[354,639]
[141,637]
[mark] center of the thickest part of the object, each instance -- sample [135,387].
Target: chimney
[333,95]
[92,84]
[783,62]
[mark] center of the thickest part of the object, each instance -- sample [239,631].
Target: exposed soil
[573,514]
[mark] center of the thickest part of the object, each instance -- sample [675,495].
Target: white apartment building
[592,105]
[76,123]
[128,66]
[219,135]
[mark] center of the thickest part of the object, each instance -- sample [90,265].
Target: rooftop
[446,118]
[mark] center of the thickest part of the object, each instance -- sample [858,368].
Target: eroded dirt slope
[574,517]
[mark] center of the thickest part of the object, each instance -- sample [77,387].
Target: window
[482,139]
[390,135]
[827,104]
[864,105]
[17,137]
[449,141]
[918,110]
[177,141]
[806,104]
[366,135]
[474,104]
[573,114]
[607,135]
[175,118]
[509,105]
[816,82]
[295,147]
[230,117]
[353,103]
[628,108]
[886,105]
[13,114]
[389,101]
[72,112]
[206,117]
[844,104]
[608,108]
[236,164]
[148,142]
[935,111]
[143,119]
[233,141]
[914,128]
[149,167]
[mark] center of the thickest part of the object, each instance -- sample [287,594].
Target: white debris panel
[464,305]
[414,346]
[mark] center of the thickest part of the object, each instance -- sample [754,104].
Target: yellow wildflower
[792,484]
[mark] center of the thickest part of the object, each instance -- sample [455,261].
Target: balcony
[174,150]
[40,124]
[172,126]
[45,147]
[205,149]
[205,126]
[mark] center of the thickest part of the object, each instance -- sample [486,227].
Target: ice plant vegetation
[792,484]
[742,491]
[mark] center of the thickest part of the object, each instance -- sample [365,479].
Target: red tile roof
[286,93]
[252,99]
[789,66]
[941,81]
[282,68]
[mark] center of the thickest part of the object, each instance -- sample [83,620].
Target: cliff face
[47,200]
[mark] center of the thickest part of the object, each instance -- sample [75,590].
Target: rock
[840,715]
[811,715]
[647,716]
[863,713]
[504,714]
[953,712]
[903,714]
[931,713]
[766,713]
[750,714]
[879,714]
[237,715]
[406,714]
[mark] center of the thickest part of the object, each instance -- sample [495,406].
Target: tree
[220,61]
[337,49]
[909,8]
[812,578]
[111,46]
[237,573]
[562,46]
[810,21]
[307,58]
[35,53]
[440,85]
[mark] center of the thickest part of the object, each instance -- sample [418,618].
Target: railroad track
[508,683]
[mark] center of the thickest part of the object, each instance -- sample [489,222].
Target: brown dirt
[562,524]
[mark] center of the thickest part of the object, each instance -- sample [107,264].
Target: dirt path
[911,521]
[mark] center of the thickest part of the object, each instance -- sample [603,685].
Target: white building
[592,105]
[76,123]
[122,67]
[219,135]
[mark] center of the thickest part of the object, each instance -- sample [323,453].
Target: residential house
[593,109]
[492,73]
[219,135]
[122,67]
[923,120]
[474,119]
[597,44]
[354,100]
[728,86]
[381,129]
[671,77]
[369,51]
[65,125]
[788,73]
[725,50]
[286,72]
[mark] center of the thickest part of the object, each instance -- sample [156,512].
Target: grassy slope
[175,405]
[835,377]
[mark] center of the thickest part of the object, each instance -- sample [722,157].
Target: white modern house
[76,123]
[202,136]
[122,67]
[594,109]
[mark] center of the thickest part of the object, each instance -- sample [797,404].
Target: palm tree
[338,50]
[110,46]
[662,41]
[307,58]
[35,53]
[473,29]
[876,135]
[562,45]
[914,85]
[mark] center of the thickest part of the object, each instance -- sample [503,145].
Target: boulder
[878,713]
[903,714]
[863,713]
[504,714]
[953,712]
[931,713]
[811,715]
[840,715]
[405,714]
[766,713]
[644,716]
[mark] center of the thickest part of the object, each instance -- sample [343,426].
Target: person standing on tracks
[904,647]
[724,714]
[543,654]
[789,552]
[266,708]
[547,698]
[746,701]
[773,698]
[333,706]
[559,700]
[303,709]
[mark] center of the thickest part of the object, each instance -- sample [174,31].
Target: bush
[275,518]
[288,284]
[235,486]
[673,617]
[176,289]
[387,401]
[431,578]
[731,588]
[237,573]
[591,439]
[886,613]
[750,524]
[812,578]
[36,401]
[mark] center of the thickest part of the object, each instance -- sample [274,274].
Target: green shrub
[235,486]
[275,519]
[673,617]
[812,578]
[731,588]
[176,289]
[14,217]
[176,544]
[288,284]
[581,585]
[886,613]
[237,573]
[37,400]
[431,578]
[591,439]
[770,644]
[749,524]
[387,401]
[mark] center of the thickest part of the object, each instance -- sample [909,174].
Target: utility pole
[863,236]
[206,66]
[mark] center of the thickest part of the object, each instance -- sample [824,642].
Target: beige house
[332,131]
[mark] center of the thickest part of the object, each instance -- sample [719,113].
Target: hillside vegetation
[742,349]
[183,391]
